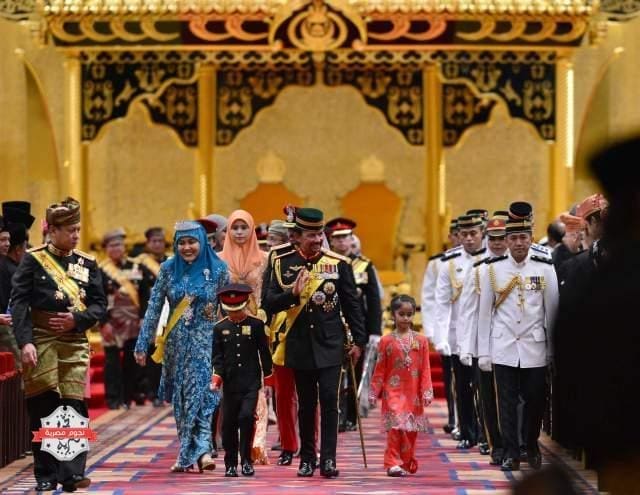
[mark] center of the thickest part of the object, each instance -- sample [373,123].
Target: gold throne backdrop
[317,138]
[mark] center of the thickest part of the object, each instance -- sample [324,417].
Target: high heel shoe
[206,463]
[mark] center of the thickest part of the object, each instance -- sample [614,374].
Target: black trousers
[488,406]
[467,418]
[239,410]
[320,383]
[153,373]
[123,377]
[511,383]
[45,466]
[348,410]
[447,376]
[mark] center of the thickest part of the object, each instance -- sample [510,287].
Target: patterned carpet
[136,448]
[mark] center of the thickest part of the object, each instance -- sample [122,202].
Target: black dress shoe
[448,428]
[350,426]
[76,481]
[523,453]
[510,464]
[496,457]
[231,472]
[286,458]
[456,435]
[463,445]
[46,486]
[328,469]
[484,448]
[305,470]
[534,459]
[214,453]
[247,469]
[140,400]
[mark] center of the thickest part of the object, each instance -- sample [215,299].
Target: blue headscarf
[205,265]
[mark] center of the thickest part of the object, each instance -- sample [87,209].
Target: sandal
[179,469]
[206,463]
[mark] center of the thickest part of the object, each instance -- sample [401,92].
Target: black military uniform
[315,336]
[240,359]
[123,282]
[369,296]
[50,281]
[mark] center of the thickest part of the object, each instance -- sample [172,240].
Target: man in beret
[316,288]
[221,230]
[57,296]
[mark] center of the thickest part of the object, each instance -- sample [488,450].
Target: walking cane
[357,401]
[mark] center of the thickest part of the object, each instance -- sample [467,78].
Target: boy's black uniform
[240,357]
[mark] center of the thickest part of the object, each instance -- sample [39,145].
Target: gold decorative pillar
[75,152]
[204,174]
[434,165]
[561,180]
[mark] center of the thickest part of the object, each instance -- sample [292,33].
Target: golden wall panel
[498,163]
[138,177]
[32,118]
[323,135]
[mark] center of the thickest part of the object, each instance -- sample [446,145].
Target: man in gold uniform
[57,295]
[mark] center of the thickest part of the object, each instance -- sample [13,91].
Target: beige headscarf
[245,262]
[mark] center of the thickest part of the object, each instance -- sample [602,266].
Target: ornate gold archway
[434,68]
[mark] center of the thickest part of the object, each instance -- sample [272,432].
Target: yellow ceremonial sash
[150,263]
[290,316]
[65,283]
[182,306]
[110,268]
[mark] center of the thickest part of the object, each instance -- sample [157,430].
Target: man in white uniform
[518,303]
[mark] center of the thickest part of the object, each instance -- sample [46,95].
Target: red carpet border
[136,448]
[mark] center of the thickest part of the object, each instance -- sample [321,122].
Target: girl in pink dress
[403,378]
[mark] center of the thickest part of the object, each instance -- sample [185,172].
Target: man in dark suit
[317,289]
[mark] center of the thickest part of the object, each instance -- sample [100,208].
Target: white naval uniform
[518,332]
[452,271]
[428,296]
[467,329]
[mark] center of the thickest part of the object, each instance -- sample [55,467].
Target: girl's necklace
[406,344]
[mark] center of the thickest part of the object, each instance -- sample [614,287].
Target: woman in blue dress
[189,281]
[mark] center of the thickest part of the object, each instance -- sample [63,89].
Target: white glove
[443,348]
[466,359]
[484,363]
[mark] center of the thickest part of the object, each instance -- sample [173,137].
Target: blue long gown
[186,370]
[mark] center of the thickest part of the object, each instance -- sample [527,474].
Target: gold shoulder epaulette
[88,256]
[364,258]
[36,248]
[284,254]
[333,254]
[279,247]
[134,259]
